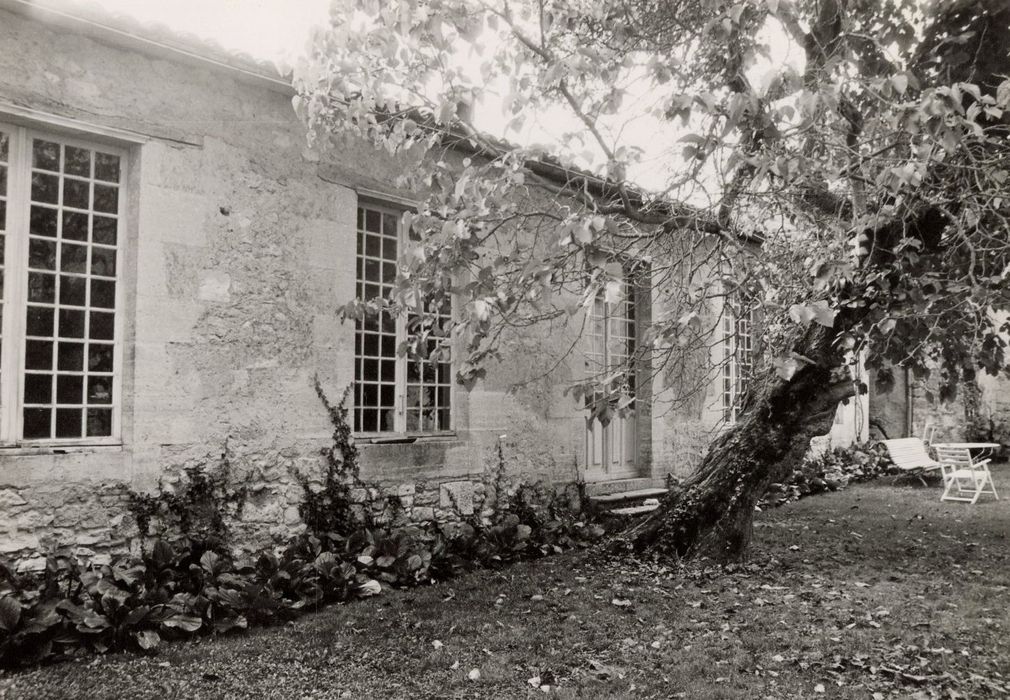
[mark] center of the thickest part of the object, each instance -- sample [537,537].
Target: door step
[628,503]
[631,511]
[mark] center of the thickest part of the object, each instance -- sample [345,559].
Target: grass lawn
[876,591]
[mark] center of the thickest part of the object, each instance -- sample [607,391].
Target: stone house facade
[173,265]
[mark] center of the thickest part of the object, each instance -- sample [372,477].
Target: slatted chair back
[964,478]
[909,455]
[954,455]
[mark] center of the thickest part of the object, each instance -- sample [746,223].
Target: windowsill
[58,449]
[402,439]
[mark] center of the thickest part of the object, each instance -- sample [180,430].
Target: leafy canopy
[836,162]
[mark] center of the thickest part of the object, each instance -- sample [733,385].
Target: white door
[612,449]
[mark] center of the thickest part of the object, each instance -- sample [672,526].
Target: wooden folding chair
[910,456]
[964,478]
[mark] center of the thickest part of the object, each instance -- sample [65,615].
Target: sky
[266,29]
[278,30]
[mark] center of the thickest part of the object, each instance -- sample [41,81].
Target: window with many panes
[738,357]
[612,335]
[393,393]
[60,216]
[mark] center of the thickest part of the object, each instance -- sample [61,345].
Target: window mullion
[400,414]
[15,284]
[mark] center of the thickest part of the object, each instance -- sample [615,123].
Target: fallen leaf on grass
[474,675]
[621,602]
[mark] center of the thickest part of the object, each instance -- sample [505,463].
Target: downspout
[908,403]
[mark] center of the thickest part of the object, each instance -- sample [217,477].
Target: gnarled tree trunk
[712,514]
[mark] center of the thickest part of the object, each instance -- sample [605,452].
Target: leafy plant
[198,507]
[328,511]
[830,471]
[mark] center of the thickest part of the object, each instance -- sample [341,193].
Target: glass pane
[70,356]
[369,371]
[46,155]
[99,389]
[43,221]
[369,344]
[38,388]
[106,198]
[388,370]
[69,388]
[45,188]
[78,161]
[40,321]
[107,167]
[72,290]
[102,326]
[389,248]
[103,294]
[372,221]
[68,422]
[38,354]
[369,420]
[99,357]
[369,395]
[75,226]
[99,422]
[103,261]
[4,140]
[389,225]
[104,230]
[76,193]
[41,254]
[36,423]
[3,215]
[71,323]
[73,258]
[41,287]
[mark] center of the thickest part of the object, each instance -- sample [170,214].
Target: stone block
[9,498]
[422,514]
[457,495]
[18,541]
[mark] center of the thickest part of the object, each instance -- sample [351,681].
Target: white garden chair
[964,479]
[910,456]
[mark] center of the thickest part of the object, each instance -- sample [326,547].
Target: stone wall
[238,252]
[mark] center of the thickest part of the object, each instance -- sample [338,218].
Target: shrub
[328,511]
[829,471]
[198,507]
[187,582]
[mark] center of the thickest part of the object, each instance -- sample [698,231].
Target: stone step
[632,511]
[627,496]
[608,486]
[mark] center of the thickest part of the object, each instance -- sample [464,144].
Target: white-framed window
[61,213]
[738,357]
[612,336]
[394,394]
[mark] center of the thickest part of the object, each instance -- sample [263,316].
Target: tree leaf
[10,613]
[148,639]
[187,623]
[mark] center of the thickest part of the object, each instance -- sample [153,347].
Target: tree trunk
[712,514]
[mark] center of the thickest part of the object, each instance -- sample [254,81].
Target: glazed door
[612,446]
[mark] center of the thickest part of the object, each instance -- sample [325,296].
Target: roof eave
[50,14]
